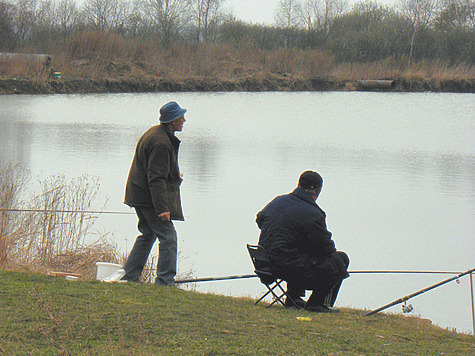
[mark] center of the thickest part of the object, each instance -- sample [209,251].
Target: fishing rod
[403,299]
[405,272]
[209,279]
[69,211]
[473,308]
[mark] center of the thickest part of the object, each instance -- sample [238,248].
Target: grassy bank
[44,315]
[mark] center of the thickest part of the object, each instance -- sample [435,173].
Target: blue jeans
[152,227]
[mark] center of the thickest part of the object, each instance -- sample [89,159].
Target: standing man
[153,189]
[300,248]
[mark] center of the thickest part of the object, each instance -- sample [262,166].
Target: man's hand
[164,216]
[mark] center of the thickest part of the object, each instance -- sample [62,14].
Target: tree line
[364,32]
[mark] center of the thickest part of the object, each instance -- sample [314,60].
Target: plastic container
[105,269]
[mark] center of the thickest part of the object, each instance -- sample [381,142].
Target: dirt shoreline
[82,86]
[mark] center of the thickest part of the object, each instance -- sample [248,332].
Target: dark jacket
[154,177]
[294,234]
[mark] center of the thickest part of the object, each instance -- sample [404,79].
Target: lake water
[398,173]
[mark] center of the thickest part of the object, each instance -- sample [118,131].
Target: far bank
[251,83]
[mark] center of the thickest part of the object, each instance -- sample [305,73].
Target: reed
[12,178]
[55,233]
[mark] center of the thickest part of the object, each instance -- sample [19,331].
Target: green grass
[46,315]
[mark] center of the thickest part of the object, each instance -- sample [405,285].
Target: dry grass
[23,67]
[89,45]
[99,56]
[53,232]
[439,70]
[304,63]
[380,70]
[12,178]
[392,68]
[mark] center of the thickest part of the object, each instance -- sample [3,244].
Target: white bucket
[105,269]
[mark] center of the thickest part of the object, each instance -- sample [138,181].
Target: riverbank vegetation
[45,315]
[50,230]
[148,45]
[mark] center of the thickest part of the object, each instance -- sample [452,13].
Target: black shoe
[299,303]
[321,309]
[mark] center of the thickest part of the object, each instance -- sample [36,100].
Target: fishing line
[69,211]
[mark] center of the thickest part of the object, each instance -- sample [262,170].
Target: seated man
[300,248]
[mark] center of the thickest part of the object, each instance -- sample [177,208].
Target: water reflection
[12,139]
[202,160]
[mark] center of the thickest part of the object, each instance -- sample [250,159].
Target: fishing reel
[407,308]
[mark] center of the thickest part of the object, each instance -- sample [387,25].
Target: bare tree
[320,14]
[44,14]
[134,20]
[288,13]
[309,14]
[24,12]
[457,14]
[167,16]
[105,15]
[420,13]
[205,14]
[66,14]
[7,34]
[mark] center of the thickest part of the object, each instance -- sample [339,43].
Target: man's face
[177,124]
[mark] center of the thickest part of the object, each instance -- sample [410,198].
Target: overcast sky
[255,11]
[263,11]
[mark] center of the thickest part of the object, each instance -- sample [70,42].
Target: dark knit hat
[310,180]
[171,111]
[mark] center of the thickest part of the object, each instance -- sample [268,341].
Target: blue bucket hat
[171,111]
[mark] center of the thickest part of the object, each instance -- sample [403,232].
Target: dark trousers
[152,227]
[325,291]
